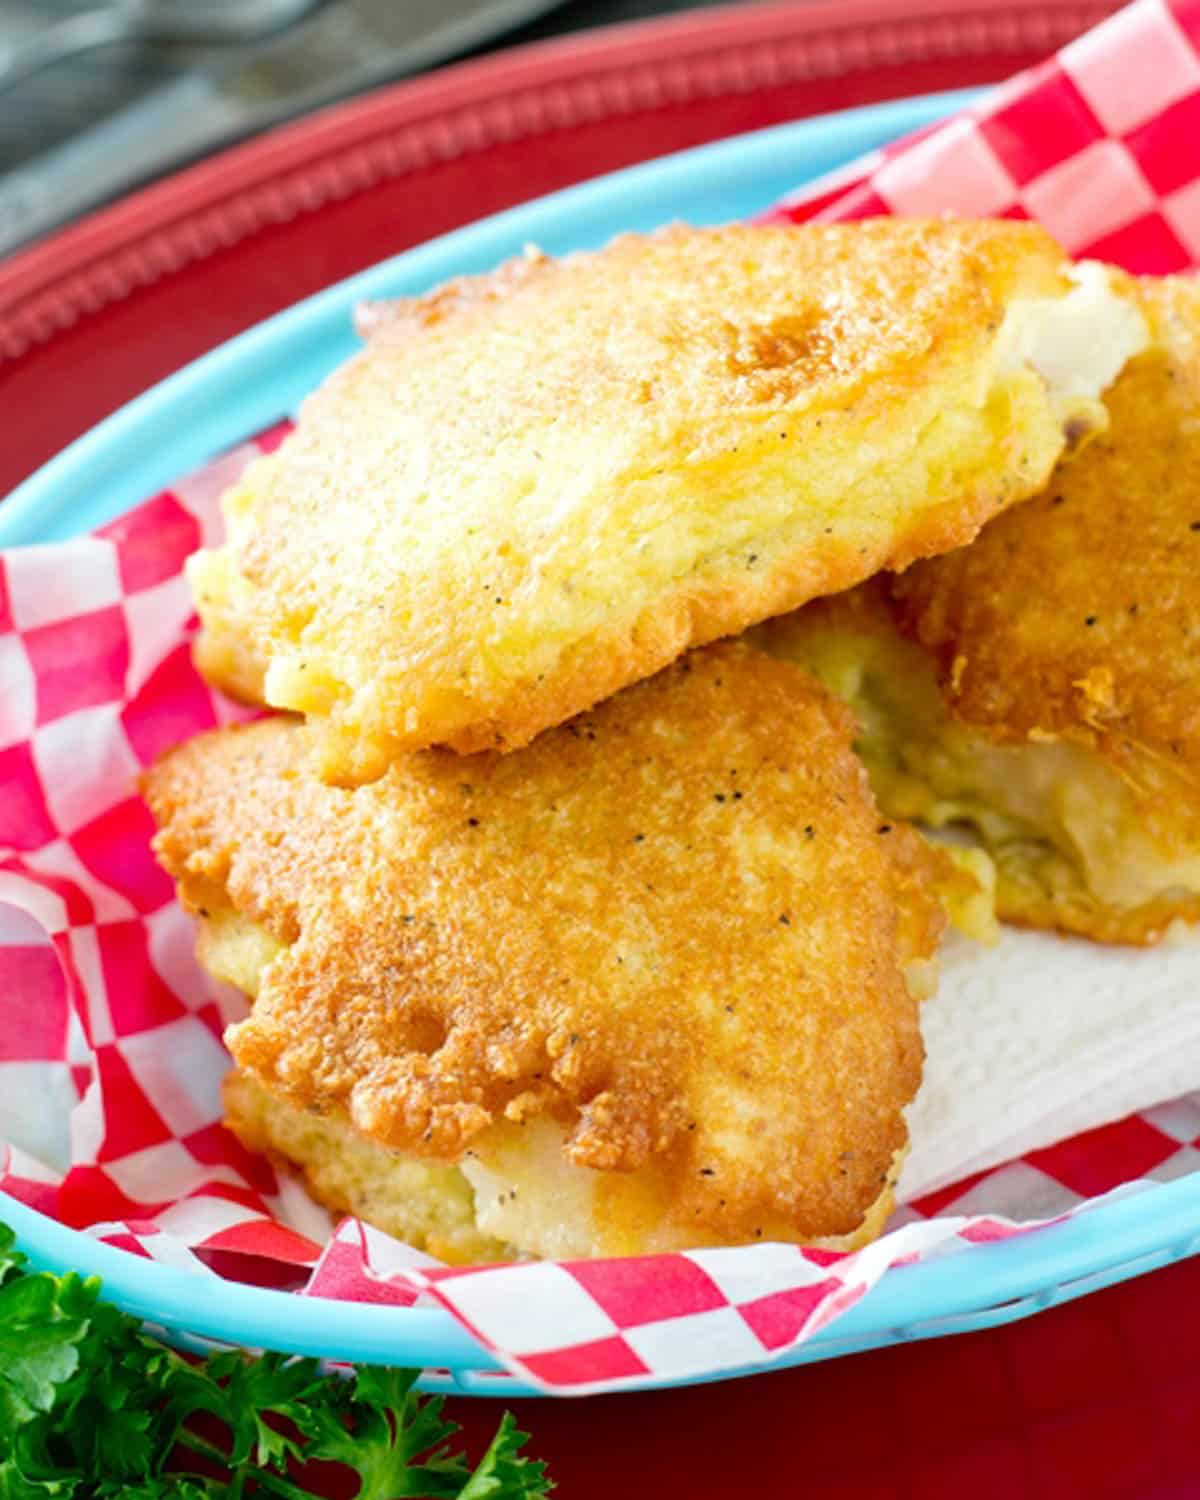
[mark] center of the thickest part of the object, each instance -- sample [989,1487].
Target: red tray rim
[537,90]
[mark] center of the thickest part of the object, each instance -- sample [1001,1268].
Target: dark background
[47,110]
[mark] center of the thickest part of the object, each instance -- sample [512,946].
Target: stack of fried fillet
[568,933]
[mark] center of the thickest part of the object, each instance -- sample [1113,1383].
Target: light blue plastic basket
[247,384]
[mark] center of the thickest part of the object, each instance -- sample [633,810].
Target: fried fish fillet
[537,486]
[1043,684]
[651,982]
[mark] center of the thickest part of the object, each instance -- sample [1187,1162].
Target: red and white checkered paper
[110,1038]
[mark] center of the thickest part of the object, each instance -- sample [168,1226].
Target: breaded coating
[652,970]
[1079,613]
[1048,686]
[428,1204]
[537,486]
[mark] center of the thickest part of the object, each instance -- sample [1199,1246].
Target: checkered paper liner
[110,1043]
[1100,144]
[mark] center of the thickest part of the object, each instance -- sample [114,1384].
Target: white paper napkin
[1042,1037]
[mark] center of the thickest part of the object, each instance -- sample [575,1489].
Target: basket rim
[1098,1245]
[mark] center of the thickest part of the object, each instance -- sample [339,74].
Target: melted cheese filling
[1052,815]
[1079,343]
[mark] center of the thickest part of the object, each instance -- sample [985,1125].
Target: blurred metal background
[173,80]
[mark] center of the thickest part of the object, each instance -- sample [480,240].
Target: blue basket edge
[1100,1245]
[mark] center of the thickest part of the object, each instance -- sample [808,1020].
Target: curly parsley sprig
[92,1408]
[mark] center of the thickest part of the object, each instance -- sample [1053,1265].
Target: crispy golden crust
[428,1205]
[1077,913]
[535,487]
[936,769]
[673,925]
[431,1206]
[1077,616]
[1063,643]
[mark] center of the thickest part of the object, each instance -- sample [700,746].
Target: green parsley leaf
[502,1472]
[41,1325]
[91,1408]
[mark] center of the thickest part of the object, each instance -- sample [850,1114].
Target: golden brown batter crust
[1079,913]
[537,486]
[428,1205]
[676,925]
[1077,616]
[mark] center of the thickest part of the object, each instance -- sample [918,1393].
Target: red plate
[1096,1398]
